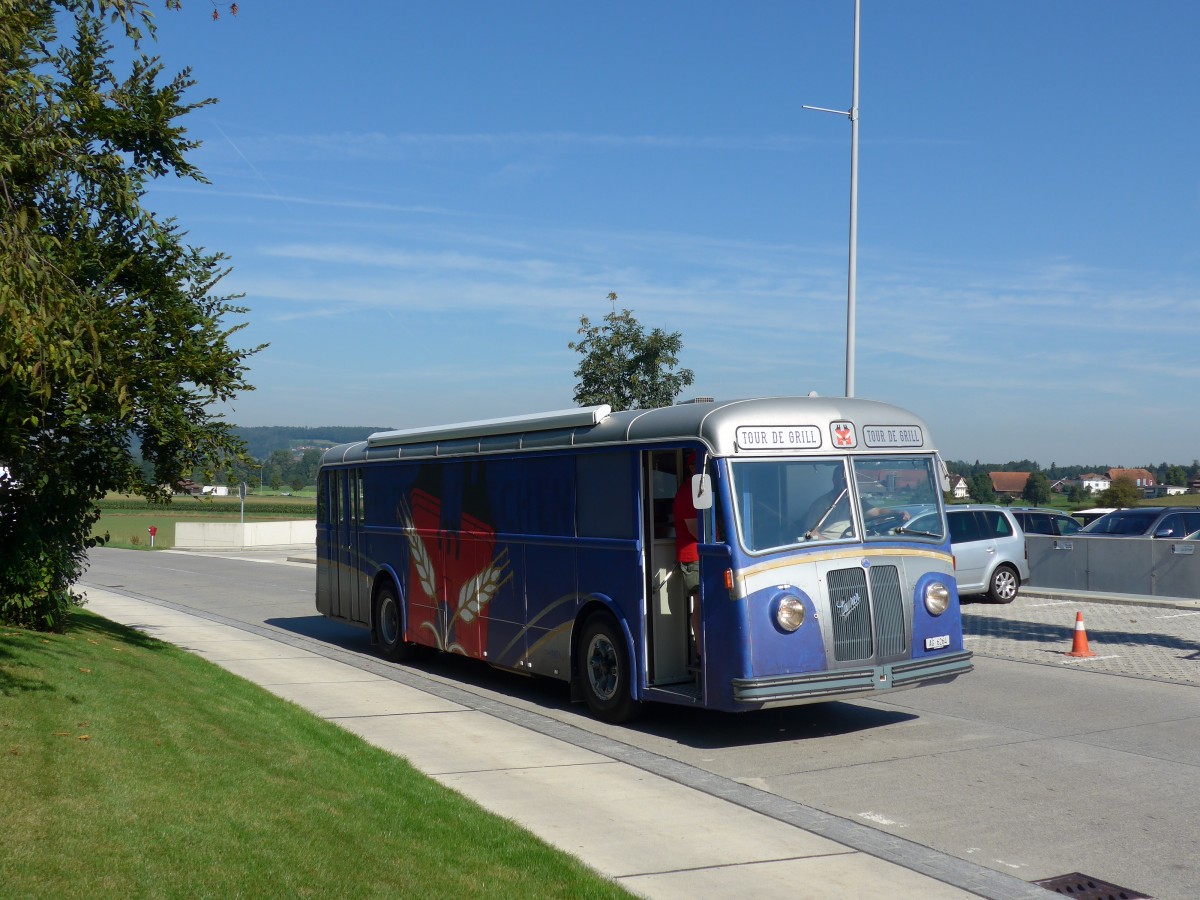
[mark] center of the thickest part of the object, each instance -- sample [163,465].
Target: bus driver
[829,515]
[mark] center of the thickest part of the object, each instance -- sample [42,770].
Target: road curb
[1038,593]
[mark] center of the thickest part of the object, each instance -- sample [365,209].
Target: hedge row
[188,506]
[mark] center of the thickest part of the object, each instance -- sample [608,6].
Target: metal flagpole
[852,275]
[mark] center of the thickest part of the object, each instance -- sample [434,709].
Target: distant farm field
[1059,501]
[127,520]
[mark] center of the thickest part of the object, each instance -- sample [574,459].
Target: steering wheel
[822,535]
[883,524]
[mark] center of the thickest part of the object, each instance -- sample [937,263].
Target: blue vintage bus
[545,544]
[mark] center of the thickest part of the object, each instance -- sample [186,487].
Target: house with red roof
[1141,477]
[1009,484]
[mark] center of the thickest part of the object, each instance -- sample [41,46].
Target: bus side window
[664,482]
[360,512]
[323,499]
[605,492]
[550,495]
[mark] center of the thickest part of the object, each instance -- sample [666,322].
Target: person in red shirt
[687,553]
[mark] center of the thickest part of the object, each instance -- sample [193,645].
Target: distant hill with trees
[1164,473]
[263,440]
[1038,488]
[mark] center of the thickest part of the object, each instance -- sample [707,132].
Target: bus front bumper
[816,686]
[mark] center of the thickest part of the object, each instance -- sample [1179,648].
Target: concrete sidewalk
[655,836]
[1028,592]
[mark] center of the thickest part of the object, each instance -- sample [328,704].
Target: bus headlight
[789,613]
[937,598]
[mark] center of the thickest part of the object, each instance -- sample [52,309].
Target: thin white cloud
[386,146]
[761,283]
[209,192]
[389,145]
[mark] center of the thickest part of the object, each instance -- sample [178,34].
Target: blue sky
[421,199]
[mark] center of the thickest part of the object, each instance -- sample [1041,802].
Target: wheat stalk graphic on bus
[475,593]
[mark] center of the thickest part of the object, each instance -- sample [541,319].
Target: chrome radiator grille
[867,610]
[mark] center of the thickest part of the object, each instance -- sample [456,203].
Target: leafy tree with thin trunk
[1037,489]
[1121,493]
[981,488]
[625,367]
[113,338]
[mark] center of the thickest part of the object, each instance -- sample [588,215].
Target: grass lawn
[127,519]
[132,768]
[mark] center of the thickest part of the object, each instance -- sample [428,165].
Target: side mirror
[702,497]
[943,472]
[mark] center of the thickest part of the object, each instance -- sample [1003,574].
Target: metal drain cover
[1085,887]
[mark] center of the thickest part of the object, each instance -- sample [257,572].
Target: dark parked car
[1088,516]
[1146,521]
[1045,521]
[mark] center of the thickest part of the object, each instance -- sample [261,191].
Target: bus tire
[1004,584]
[389,629]
[604,671]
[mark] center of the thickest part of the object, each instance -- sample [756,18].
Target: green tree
[246,470]
[282,461]
[980,488]
[625,367]
[1122,492]
[111,333]
[308,465]
[1037,489]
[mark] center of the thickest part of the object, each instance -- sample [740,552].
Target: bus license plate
[941,642]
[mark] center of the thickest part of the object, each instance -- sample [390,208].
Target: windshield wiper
[815,530]
[903,530]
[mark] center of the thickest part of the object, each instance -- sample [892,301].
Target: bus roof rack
[546,421]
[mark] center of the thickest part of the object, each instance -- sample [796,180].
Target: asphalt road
[1035,764]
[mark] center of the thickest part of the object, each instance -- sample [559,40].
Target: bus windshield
[788,502]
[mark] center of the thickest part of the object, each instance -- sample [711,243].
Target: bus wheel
[604,670]
[388,628]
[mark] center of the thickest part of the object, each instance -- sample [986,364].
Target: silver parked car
[989,550]
[1146,521]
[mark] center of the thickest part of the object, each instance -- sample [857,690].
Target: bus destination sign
[892,435]
[778,437]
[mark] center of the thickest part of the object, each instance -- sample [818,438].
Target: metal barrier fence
[1155,567]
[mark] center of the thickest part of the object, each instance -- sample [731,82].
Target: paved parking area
[1141,640]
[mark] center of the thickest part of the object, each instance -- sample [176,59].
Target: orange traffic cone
[1080,645]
